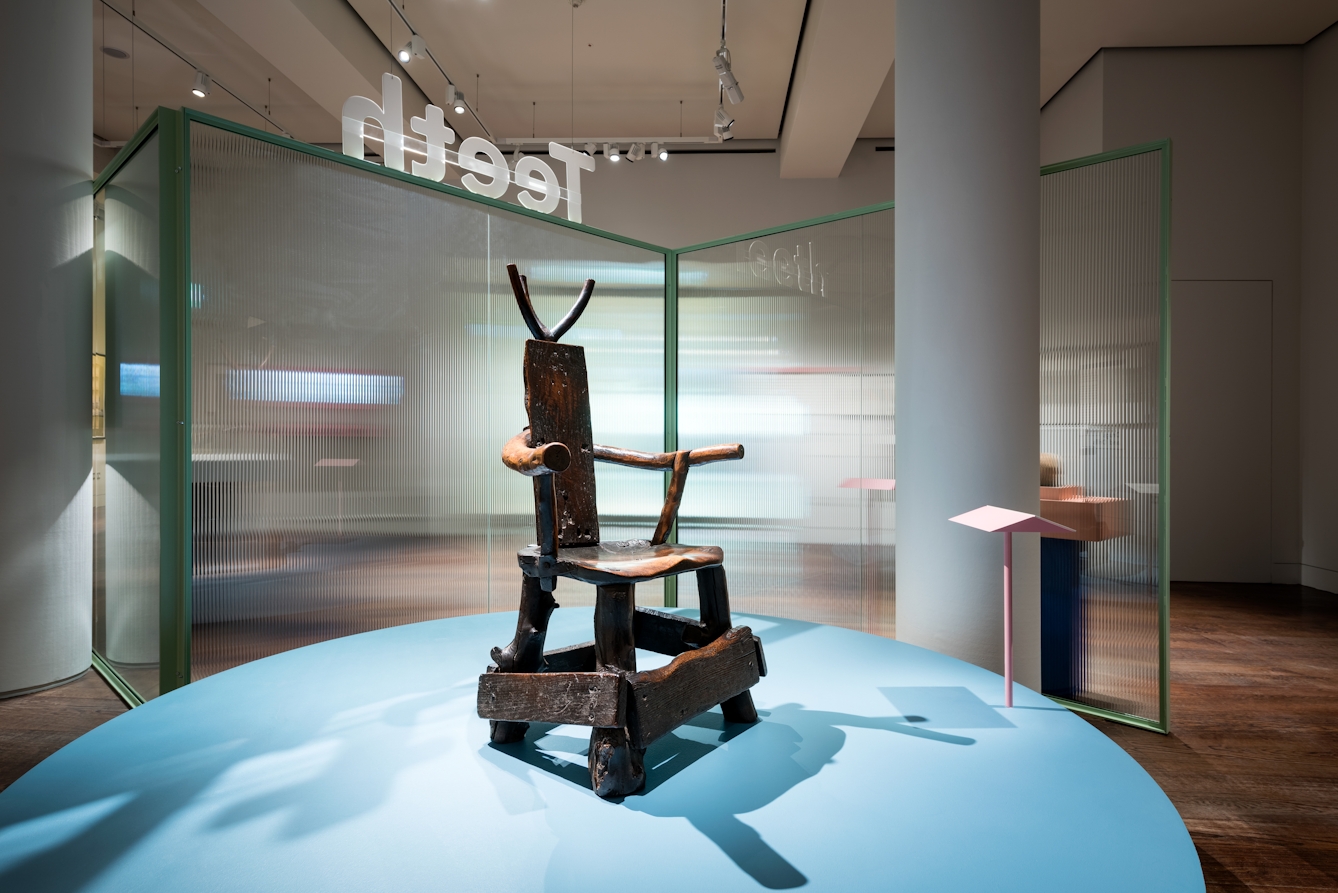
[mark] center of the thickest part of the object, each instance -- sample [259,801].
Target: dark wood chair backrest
[557,399]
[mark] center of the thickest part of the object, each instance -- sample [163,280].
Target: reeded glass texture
[356,361]
[786,346]
[1101,374]
[126,602]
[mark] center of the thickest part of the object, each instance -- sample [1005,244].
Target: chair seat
[628,561]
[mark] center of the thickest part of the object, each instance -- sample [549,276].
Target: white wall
[1319,313]
[1221,391]
[1071,120]
[696,198]
[46,448]
[1233,115]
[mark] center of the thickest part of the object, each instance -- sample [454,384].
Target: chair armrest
[637,459]
[531,461]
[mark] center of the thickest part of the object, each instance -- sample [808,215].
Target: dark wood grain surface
[663,699]
[616,767]
[588,699]
[532,461]
[629,561]
[723,452]
[557,398]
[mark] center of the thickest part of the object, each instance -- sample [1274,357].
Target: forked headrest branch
[521,286]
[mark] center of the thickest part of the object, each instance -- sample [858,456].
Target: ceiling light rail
[417,47]
[208,80]
[601,140]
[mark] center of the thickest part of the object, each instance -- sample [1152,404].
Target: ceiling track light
[611,153]
[724,68]
[637,152]
[590,149]
[203,85]
[659,151]
[724,123]
[414,49]
[454,99]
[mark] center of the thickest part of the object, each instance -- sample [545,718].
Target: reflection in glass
[356,361]
[1100,375]
[786,345]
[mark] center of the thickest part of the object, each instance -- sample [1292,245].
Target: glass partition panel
[786,345]
[126,592]
[356,357]
[1102,432]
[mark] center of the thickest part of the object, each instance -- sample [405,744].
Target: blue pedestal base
[360,765]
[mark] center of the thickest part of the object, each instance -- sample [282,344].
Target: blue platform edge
[359,764]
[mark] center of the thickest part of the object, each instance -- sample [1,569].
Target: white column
[46,241]
[967,248]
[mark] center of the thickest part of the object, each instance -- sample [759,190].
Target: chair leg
[525,653]
[616,768]
[713,596]
[740,708]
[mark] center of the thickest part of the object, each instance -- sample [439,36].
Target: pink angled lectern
[1008,522]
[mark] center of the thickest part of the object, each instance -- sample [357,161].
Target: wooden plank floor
[1252,763]
[32,727]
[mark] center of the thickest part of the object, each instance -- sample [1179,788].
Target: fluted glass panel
[126,603]
[356,353]
[786,345]
[1101,373]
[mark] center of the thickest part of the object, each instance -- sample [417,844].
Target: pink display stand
[1008,522]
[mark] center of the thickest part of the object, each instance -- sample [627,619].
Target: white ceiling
[629,65]
[1072,31]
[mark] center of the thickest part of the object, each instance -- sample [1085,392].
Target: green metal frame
[173,127]
[789,227]
[1163,724]
[174,398]
[124,690]
[174,579]
[671,394]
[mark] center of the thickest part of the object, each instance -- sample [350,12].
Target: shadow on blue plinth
[323,779]
[762,762]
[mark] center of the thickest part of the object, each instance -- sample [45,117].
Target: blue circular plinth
[360,765]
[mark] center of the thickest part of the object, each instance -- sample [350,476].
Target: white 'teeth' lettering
[783,264]
[535,176]
[576,162]
[495,167]
[358,109]
[437,136]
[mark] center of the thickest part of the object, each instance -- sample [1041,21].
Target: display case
[312,361]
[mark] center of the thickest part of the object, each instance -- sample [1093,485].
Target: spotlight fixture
[414,49]
[611,153]
[724,65]
[724,123]
[590,149]
[637,152]
[724,71]
[202,85]
[454,99]
[659,151]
